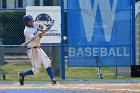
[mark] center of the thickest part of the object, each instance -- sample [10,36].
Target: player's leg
[36,60]
[47,64]
[28,72]
[23,74]
[34,55]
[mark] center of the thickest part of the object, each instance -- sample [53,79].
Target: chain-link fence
[88,26]
[13,59]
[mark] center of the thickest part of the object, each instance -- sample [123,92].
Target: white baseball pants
[38,57]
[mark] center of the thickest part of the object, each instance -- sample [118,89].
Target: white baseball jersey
[29,33]
[36,55]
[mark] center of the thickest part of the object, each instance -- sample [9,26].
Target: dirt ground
[99,87]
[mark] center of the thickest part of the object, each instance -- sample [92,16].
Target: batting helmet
[27,18]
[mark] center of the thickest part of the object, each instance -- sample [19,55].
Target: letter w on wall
[89,15]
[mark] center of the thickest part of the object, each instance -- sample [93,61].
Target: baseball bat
[29,41]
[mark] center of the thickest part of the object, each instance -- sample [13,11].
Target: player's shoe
[54,82]
[21,79]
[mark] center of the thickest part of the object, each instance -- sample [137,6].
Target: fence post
[1,56]
[133,34]
[62,42]
[56,60]
[1,60]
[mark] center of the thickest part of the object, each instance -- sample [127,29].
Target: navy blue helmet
[27,18]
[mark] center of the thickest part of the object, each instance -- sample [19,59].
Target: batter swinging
[35,53]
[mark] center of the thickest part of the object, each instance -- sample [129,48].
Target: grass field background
[12,70]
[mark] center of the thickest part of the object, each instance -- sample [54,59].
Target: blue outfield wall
[101,28]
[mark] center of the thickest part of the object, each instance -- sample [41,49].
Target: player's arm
[44,30]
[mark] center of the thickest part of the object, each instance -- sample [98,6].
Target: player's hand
[41,34]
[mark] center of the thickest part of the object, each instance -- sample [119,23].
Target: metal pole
[62,42]
[133,34]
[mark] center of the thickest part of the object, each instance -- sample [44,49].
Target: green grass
[87,73]
[71,73]
[13,70]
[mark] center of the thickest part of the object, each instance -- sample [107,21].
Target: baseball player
[35,53]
